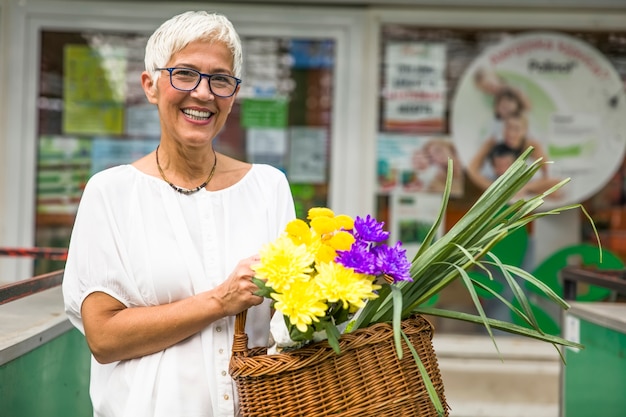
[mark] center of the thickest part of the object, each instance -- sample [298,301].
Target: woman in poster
[514,141]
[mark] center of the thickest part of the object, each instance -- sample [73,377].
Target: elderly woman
[161,251]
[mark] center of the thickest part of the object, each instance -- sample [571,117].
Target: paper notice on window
[412,217]
[415,87]
[94,90]
[267,146]
[307,155]
[571,330]
[143,120]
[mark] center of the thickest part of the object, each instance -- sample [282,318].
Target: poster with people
[412,164]
[553,92]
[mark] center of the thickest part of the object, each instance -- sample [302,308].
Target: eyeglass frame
[202,75]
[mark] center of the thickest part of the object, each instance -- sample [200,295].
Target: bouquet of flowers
[320,274]
[337,274]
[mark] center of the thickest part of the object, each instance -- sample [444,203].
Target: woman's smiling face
[192,117]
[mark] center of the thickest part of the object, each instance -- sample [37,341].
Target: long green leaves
[439,262]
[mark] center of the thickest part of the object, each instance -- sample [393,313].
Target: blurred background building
[358,102]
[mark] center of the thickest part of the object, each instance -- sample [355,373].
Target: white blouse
[144,244]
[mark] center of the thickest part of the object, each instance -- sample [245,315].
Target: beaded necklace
[182,190]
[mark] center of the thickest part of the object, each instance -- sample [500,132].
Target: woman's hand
[237,292]
[115,332]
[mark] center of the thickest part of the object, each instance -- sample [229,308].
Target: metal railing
[572,275]
[19,289]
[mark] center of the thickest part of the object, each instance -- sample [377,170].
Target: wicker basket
[366,379]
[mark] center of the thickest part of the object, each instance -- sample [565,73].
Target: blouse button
[221,351]
[223,373]
[226,397]
[218,329]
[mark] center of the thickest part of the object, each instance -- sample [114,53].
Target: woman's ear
[149,87]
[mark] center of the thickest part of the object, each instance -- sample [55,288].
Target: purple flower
[392,261]
[369,229]
[358,258]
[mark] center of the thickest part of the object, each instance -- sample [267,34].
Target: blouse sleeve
[285,209]
[96,255]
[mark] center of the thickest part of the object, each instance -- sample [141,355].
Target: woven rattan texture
[366,379]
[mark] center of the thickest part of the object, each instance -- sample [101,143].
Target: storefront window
[431,93]
[92,114]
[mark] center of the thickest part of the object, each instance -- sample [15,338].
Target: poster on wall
[307,155]
[549,90]
[62,172]
[414,96]
[107,152]
[409,163]
[94,89]
[413,215]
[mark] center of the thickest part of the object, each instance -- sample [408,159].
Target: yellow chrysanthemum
[284,262]
[324,225]
[325,254]
[345,222]
[341,284]
[299,231]
[341,241]
[302,304]
[320,212]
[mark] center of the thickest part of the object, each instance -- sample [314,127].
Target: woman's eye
[185,73]
[223,79]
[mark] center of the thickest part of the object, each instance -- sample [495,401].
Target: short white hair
[179,31]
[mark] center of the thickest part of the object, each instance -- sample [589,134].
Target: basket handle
[240,339]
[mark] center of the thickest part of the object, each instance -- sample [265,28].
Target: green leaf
[430,236]
[264,289]
[499,324]
[296,335]
[430,388]
[332,334]
[397,319]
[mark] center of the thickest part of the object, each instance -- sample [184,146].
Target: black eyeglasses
[188,79]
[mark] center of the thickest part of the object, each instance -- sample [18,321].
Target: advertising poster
[307,155]
[62,172]
[413,215]
[94,90]
[550,91]
[412,164]
[108,152]
[414,96]
[267,146]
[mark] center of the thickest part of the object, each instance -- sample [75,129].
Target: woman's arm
[475,166]
[538,152]
[115,332]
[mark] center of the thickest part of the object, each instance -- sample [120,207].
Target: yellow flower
[302,304]
[341,241]
[284,262]
[345,222]
[320,212]
[299,231]
[341,284]
[327,250]
[325,254]
[324,225]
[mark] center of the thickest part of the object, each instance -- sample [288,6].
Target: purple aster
[392,261]
[358,258]
[369,229]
